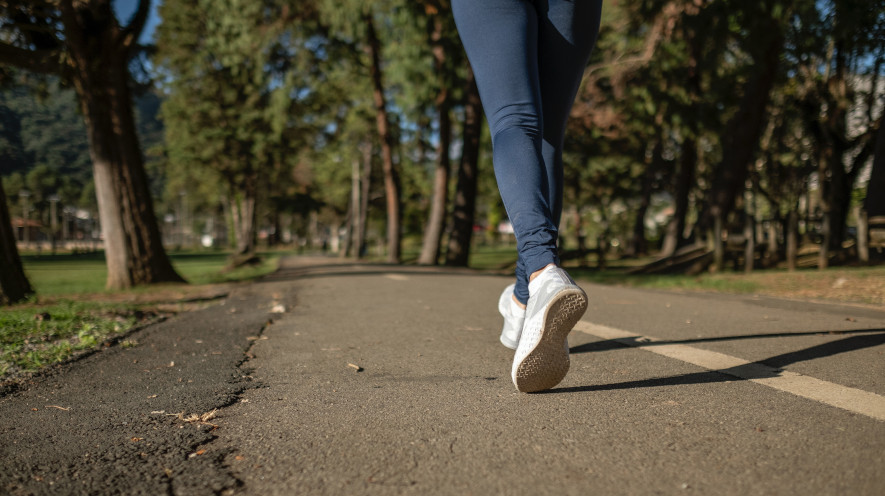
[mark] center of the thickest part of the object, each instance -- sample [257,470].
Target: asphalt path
[337,378]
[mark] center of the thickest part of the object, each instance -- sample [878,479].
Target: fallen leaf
[136,439]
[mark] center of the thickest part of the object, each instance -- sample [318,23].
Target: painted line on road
[846,398]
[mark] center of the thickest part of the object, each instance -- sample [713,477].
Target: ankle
[519,303]
[538,272]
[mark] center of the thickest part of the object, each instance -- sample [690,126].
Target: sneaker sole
[548,363]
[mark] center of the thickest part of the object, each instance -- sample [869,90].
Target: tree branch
[42,61]
[661,29]
[133,30]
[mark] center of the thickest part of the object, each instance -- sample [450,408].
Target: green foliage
[273,98]
[45,150]
[244,95]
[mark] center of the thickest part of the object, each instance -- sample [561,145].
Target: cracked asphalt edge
[109,423]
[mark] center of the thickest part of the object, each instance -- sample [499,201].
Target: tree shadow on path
[767,368]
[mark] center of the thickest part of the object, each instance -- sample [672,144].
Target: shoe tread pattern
[548,363]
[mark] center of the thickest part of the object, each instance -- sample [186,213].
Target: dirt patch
[852,285]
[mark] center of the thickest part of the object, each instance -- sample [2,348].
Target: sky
[124,10]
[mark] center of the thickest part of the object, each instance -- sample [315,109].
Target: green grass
[60,321]
[33,336]
[64,274]
[704,282]
[849,284]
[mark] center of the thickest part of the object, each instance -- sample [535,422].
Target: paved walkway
[390,380]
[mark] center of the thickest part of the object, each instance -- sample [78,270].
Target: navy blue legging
[528,58]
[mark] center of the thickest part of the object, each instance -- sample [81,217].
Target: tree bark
[863,237]
[750,241]
[436,221]
[718,244]
[360,243]
[99,71]
[14,285]
[391,176]
[354,231]
[874,203]
[242,209]
[741,135]
[463,215]
[792,239]
[772,250]
[638,243]
[837,182]
[685,176]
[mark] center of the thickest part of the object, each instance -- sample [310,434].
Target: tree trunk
[792,235]
[100,75]
[356,203]
[433,232]
[458,251]
[874,203]
[638,244]
[741,135]
[242,209]
[772,246]
[837,183]
[823,256]
[14,285]
[863,236]
[718,245]
[391,177]
[750,242]
[685,176]
[360,244]
[436,221]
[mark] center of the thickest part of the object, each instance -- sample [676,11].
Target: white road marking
[847,398]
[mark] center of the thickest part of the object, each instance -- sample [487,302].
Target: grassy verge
[73,312]
[33,336]
[68,274]
[865,285]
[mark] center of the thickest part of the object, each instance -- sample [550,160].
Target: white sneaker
[555,305]
[513,318]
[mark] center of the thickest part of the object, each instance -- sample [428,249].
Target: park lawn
[33,336]
[862,285]
[72,312]
[68,274]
